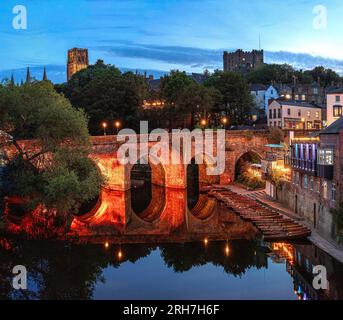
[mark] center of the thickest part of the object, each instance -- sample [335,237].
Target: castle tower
[243,61]
[77,60]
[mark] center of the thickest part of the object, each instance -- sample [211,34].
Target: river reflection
[238,269]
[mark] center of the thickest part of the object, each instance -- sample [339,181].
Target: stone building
[77,60]
[243,61]
[317,174]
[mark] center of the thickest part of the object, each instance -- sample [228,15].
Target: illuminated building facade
[315,187]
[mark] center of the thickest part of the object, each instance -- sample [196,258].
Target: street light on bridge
[117,124]
[104,126]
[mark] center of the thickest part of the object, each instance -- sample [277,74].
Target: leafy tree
[235,98]
[53,169]
[326,76]
[265,74]
[173,85]
[196,99]
[106,95]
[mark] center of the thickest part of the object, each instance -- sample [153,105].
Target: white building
[271,93]
[258,93]
[292,115]
[334,102]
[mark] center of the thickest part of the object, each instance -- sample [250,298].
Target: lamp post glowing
[104,126]
[203,123]
[117,124]
[225,122]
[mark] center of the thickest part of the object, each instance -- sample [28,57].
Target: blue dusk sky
[168,34]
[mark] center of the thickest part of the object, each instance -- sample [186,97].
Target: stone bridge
[168,210]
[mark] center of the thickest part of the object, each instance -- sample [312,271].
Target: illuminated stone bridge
[168,210]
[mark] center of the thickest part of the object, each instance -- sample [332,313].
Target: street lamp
[225,121]
[117,124]
[104,125]
[203,123]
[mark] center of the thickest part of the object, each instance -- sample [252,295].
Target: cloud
[203,58]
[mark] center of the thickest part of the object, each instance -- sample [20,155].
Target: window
[289,111]
[325,157]
[271,123]
[299,112]
[305,181]
[271,114]
[317,114]
[279,113]
[325,190]
[315,90]
[274,113]
[296,97]
[333,192]
[337,111]
[338,98]
[309,114]
[272,91]
[280,124]
[303,97]
[311,183]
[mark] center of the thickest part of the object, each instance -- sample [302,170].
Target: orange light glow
[203,122]
[117,124]
[120,254]
[104,125]
[107,245]
[206,241]
[227,250]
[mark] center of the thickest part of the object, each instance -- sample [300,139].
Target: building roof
[334,90]
[334,128]
[297,104]
[258,87]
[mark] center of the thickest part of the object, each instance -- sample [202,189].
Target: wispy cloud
[205,58]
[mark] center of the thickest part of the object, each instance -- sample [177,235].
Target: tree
[235,98]
[173,85]
[196,99]
[265,74]
[54,169]
[325,76]
[106,95]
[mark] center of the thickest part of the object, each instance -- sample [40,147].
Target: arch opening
[147,190]
[198,202]
[248,171]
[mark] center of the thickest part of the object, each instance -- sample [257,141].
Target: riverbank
[329,247]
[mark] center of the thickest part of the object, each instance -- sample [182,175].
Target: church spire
[28,75]
[12,80]
[45,77]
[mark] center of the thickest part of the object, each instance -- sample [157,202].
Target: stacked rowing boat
[273,225]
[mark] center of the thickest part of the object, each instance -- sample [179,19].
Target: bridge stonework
[174,176]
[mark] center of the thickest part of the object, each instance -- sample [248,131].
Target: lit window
[337,111]
[309,114]
[325,157]
[317,114]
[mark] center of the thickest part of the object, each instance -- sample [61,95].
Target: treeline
[284,73]
[107,95]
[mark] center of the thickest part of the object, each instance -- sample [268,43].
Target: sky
[162,35]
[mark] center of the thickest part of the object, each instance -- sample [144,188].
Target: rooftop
[334,128]
[297,104]
[335,90]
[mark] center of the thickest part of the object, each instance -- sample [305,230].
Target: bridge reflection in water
[239,269]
